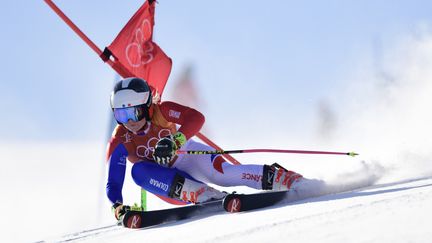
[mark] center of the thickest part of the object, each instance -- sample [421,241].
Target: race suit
[138,149]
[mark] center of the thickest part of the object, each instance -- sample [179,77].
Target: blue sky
[256,64]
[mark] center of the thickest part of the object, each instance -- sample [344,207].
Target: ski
[233,203]
[142,219]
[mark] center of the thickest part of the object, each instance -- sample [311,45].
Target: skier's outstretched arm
[116,176]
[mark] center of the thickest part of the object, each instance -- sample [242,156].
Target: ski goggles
[134,113]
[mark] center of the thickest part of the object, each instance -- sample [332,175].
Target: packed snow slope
[394,212]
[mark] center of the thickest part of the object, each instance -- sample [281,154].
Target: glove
[119,210]
[166,148]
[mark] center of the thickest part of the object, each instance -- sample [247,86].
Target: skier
[147,136]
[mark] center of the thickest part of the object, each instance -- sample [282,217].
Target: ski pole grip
[200,152]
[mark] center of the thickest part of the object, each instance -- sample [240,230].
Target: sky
[266,62]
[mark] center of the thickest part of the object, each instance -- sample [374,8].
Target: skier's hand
[166,148]
[119,210]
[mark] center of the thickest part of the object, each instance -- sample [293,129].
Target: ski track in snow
[330,215]
[328,218]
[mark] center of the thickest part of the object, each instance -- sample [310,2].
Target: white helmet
[132,92]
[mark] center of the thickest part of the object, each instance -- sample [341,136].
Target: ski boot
[277,178]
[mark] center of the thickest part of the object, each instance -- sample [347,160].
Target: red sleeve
[190,120]
[113,142]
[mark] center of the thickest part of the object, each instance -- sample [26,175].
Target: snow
[394,212]
[59,196]
[48,189]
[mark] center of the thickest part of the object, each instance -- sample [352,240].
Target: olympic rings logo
[141,46]
[146,151]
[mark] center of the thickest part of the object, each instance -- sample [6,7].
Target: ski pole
[263,151]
